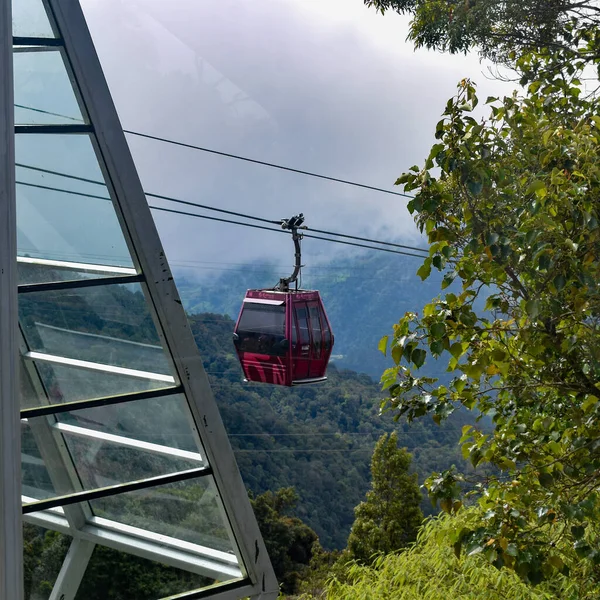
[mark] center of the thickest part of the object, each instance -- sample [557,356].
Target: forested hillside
[318,439]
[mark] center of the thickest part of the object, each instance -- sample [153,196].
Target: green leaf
[448,279]
[437,347]
[559,282]
[475,186]
[425,269]
[397,354]
[532,308]
[577,531]
[438,330]
[382,346]
[418,357]
[536,187]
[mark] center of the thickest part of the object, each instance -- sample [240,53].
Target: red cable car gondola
[283,336]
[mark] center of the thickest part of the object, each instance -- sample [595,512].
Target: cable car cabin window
[261,329]
[303,330]
[316,331]
[294,331]
[326,331]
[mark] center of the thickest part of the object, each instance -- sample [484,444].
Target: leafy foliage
[514,216]
[390,516]
[429,570]
[289,541]
[503,31]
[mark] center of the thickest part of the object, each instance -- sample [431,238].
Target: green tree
[390,516]
[510,207]
[290,542]
[430,570]
[504,30]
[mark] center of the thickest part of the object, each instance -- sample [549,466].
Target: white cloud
[322,85]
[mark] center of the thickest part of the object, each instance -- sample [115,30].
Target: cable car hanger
[293,224]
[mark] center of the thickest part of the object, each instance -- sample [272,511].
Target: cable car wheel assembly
[283,336]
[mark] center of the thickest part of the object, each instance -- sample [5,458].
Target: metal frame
[11,542]
[250,566]
[123,178]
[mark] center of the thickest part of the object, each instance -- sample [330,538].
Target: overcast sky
[321,85]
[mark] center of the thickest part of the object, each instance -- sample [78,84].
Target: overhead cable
[234,156]
[189,214]
[266,164]
[228,212]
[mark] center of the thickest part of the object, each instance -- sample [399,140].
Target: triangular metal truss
[122,445]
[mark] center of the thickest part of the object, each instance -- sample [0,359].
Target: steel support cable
[230,155]
[222,210]
[189,214]
[266,164]
[234,156]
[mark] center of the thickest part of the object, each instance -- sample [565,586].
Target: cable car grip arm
[293,224]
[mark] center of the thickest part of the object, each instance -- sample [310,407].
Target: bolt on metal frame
[68,511]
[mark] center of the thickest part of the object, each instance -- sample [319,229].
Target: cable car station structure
[109,433]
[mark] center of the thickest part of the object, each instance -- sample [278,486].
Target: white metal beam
[146,544]
[128,442]
[72,570]
[92,366]
[75,266]
[11,540]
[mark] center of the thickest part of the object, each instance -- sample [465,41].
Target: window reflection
[43,90]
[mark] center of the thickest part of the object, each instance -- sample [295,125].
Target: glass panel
[29,19]
[164,421]
[116,575]
[188,510]
[326,331]
[32,270]
[65,225]
[102,463]
[43,554]
[68,384]
[304,333]
[107,446]
[43,91]
[107,325]
[35,479]
[316,330]
[262,329]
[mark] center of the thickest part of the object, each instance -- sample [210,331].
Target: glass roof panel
[107,445]
[29,19]
[146,495]
[43,91]
[38,270]
[162,421]
[122,575]
[59,216]
[98,460]
[71,383]
[35,479]
[187,510]
[104,325]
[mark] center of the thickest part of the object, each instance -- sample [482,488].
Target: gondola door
[315,368]
[302,347]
